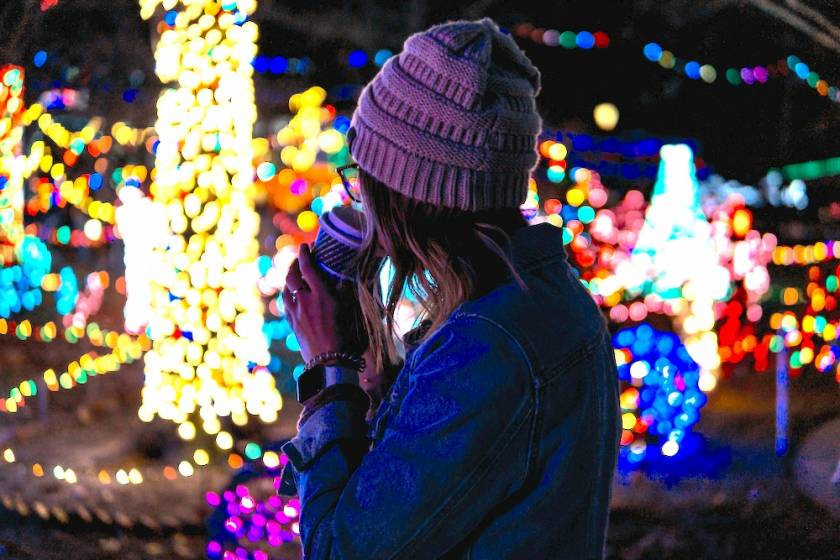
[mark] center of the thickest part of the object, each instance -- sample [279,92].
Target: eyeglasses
[350,179]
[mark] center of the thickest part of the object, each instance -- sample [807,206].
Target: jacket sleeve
[443,461]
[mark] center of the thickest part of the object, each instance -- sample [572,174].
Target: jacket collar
[532,246]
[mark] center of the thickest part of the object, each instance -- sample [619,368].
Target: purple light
[233,524]
[260,555]
[760,74]
[747,76]
[213,499]
[229,496]
[254,535]
[298,186]
[275,540]
[247,504]
[214,548]
[241,490]
[258,520]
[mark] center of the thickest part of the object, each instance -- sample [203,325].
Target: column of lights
[209,352]
[11,162]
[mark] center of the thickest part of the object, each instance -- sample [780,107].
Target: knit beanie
[452,119]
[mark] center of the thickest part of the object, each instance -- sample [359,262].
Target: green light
[819,324]
[810,170]
[586,214]
[555,174]
[567,236]
[63,235]
[733,76]
[253,451]
[568,39]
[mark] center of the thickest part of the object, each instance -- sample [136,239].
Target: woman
[499,435]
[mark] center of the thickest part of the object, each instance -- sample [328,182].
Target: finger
[294,278]
[307,266]
[288,302]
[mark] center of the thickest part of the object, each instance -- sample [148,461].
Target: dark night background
[743,130]
[753,510]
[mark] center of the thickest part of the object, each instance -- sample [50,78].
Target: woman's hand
[314,312]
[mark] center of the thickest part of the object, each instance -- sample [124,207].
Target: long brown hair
[445,256]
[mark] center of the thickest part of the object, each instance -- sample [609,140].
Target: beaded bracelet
[345,358]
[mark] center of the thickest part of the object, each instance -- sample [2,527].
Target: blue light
[652,52]
[95,181]
[585,40]
[341,124]
[264,264]
[357,59]
[667,381]
[382,56]
[169,17]
[260,64]
[278,65]
[40,58]
[802,70]
[692,70]
[130,95]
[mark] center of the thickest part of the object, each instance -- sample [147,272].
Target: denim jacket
[499,437]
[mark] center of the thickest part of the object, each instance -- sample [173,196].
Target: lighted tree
[209,353]
[12,162]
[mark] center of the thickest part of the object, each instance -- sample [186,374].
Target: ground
[737,500]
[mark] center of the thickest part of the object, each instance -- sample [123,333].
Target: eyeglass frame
[345,182]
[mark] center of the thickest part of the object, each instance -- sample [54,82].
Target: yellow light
[135,477]
[122,477]
[93,230]
[557,151]
[201,457]
[271,460]
[12,166]
[741,222]
[575,197]
[203,185]
[185,468]
[224,440]
[9,456]
[186,430]
[606,116]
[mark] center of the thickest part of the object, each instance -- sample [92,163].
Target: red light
[602,40]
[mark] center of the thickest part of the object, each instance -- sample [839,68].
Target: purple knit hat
[452,120]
